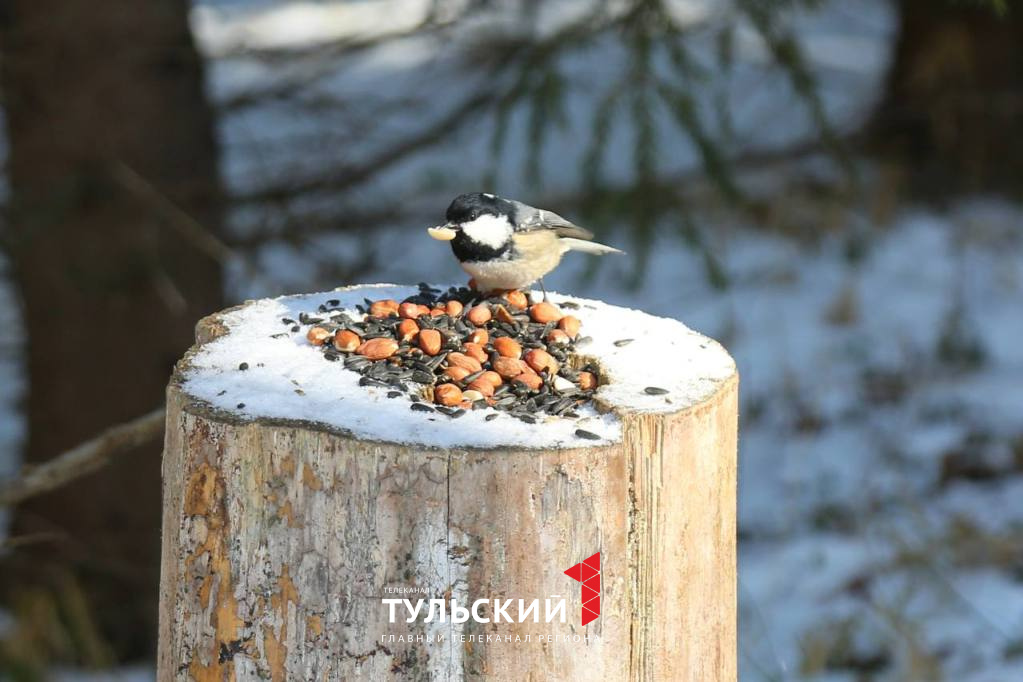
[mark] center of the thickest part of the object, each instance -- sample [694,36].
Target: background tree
[110,140]
[950,117]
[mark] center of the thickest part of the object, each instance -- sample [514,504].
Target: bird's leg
[540,282]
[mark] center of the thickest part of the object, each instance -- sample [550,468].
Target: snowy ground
[882,395]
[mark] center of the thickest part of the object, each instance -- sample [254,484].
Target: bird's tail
[569,244]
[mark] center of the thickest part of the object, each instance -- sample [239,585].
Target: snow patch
[287,377]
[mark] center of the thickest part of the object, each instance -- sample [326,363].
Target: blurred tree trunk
[951,116]
[110,290]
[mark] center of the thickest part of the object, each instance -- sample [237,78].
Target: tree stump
[293,509]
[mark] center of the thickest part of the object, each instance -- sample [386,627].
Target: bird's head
[478,220]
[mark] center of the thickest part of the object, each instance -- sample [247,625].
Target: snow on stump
[318,526]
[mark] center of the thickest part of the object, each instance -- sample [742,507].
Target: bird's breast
[533,255]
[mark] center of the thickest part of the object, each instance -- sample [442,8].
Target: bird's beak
[444,233]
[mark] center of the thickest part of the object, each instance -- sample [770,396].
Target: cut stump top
[287,379]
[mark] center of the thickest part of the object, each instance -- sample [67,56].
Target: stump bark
[282,537]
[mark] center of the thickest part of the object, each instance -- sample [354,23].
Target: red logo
[588,573]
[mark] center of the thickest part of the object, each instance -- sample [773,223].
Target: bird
[505,244]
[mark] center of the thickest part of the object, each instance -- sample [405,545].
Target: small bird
[505,244]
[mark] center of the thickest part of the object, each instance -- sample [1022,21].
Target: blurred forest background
[831,189]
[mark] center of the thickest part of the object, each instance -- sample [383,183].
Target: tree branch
[346,177]
[84,458]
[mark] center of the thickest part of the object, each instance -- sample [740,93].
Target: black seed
[573,415]
[241,405]
[469,378]
[561,406]
[491,417]
[282,335]
[619,342]
[332,356]
[333,303]
[571,305]
[453,412]
[287,320]
[654,390]
[528,418]
[222,392]
[588,435]
[393,394]
[295,328]
[421,377]
[421,407]
[243,366]
[542,400]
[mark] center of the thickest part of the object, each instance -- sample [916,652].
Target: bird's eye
[474,215]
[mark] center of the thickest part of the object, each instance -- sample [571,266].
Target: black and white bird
[505,244]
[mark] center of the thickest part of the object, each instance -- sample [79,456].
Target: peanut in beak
[443,233]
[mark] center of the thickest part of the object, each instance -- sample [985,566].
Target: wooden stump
[283,534]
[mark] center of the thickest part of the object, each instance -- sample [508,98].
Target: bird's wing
[528,218]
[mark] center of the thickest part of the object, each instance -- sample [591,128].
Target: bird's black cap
[467,207]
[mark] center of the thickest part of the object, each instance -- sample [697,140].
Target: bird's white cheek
[490,230]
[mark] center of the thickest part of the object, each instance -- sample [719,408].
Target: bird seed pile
[454,350]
